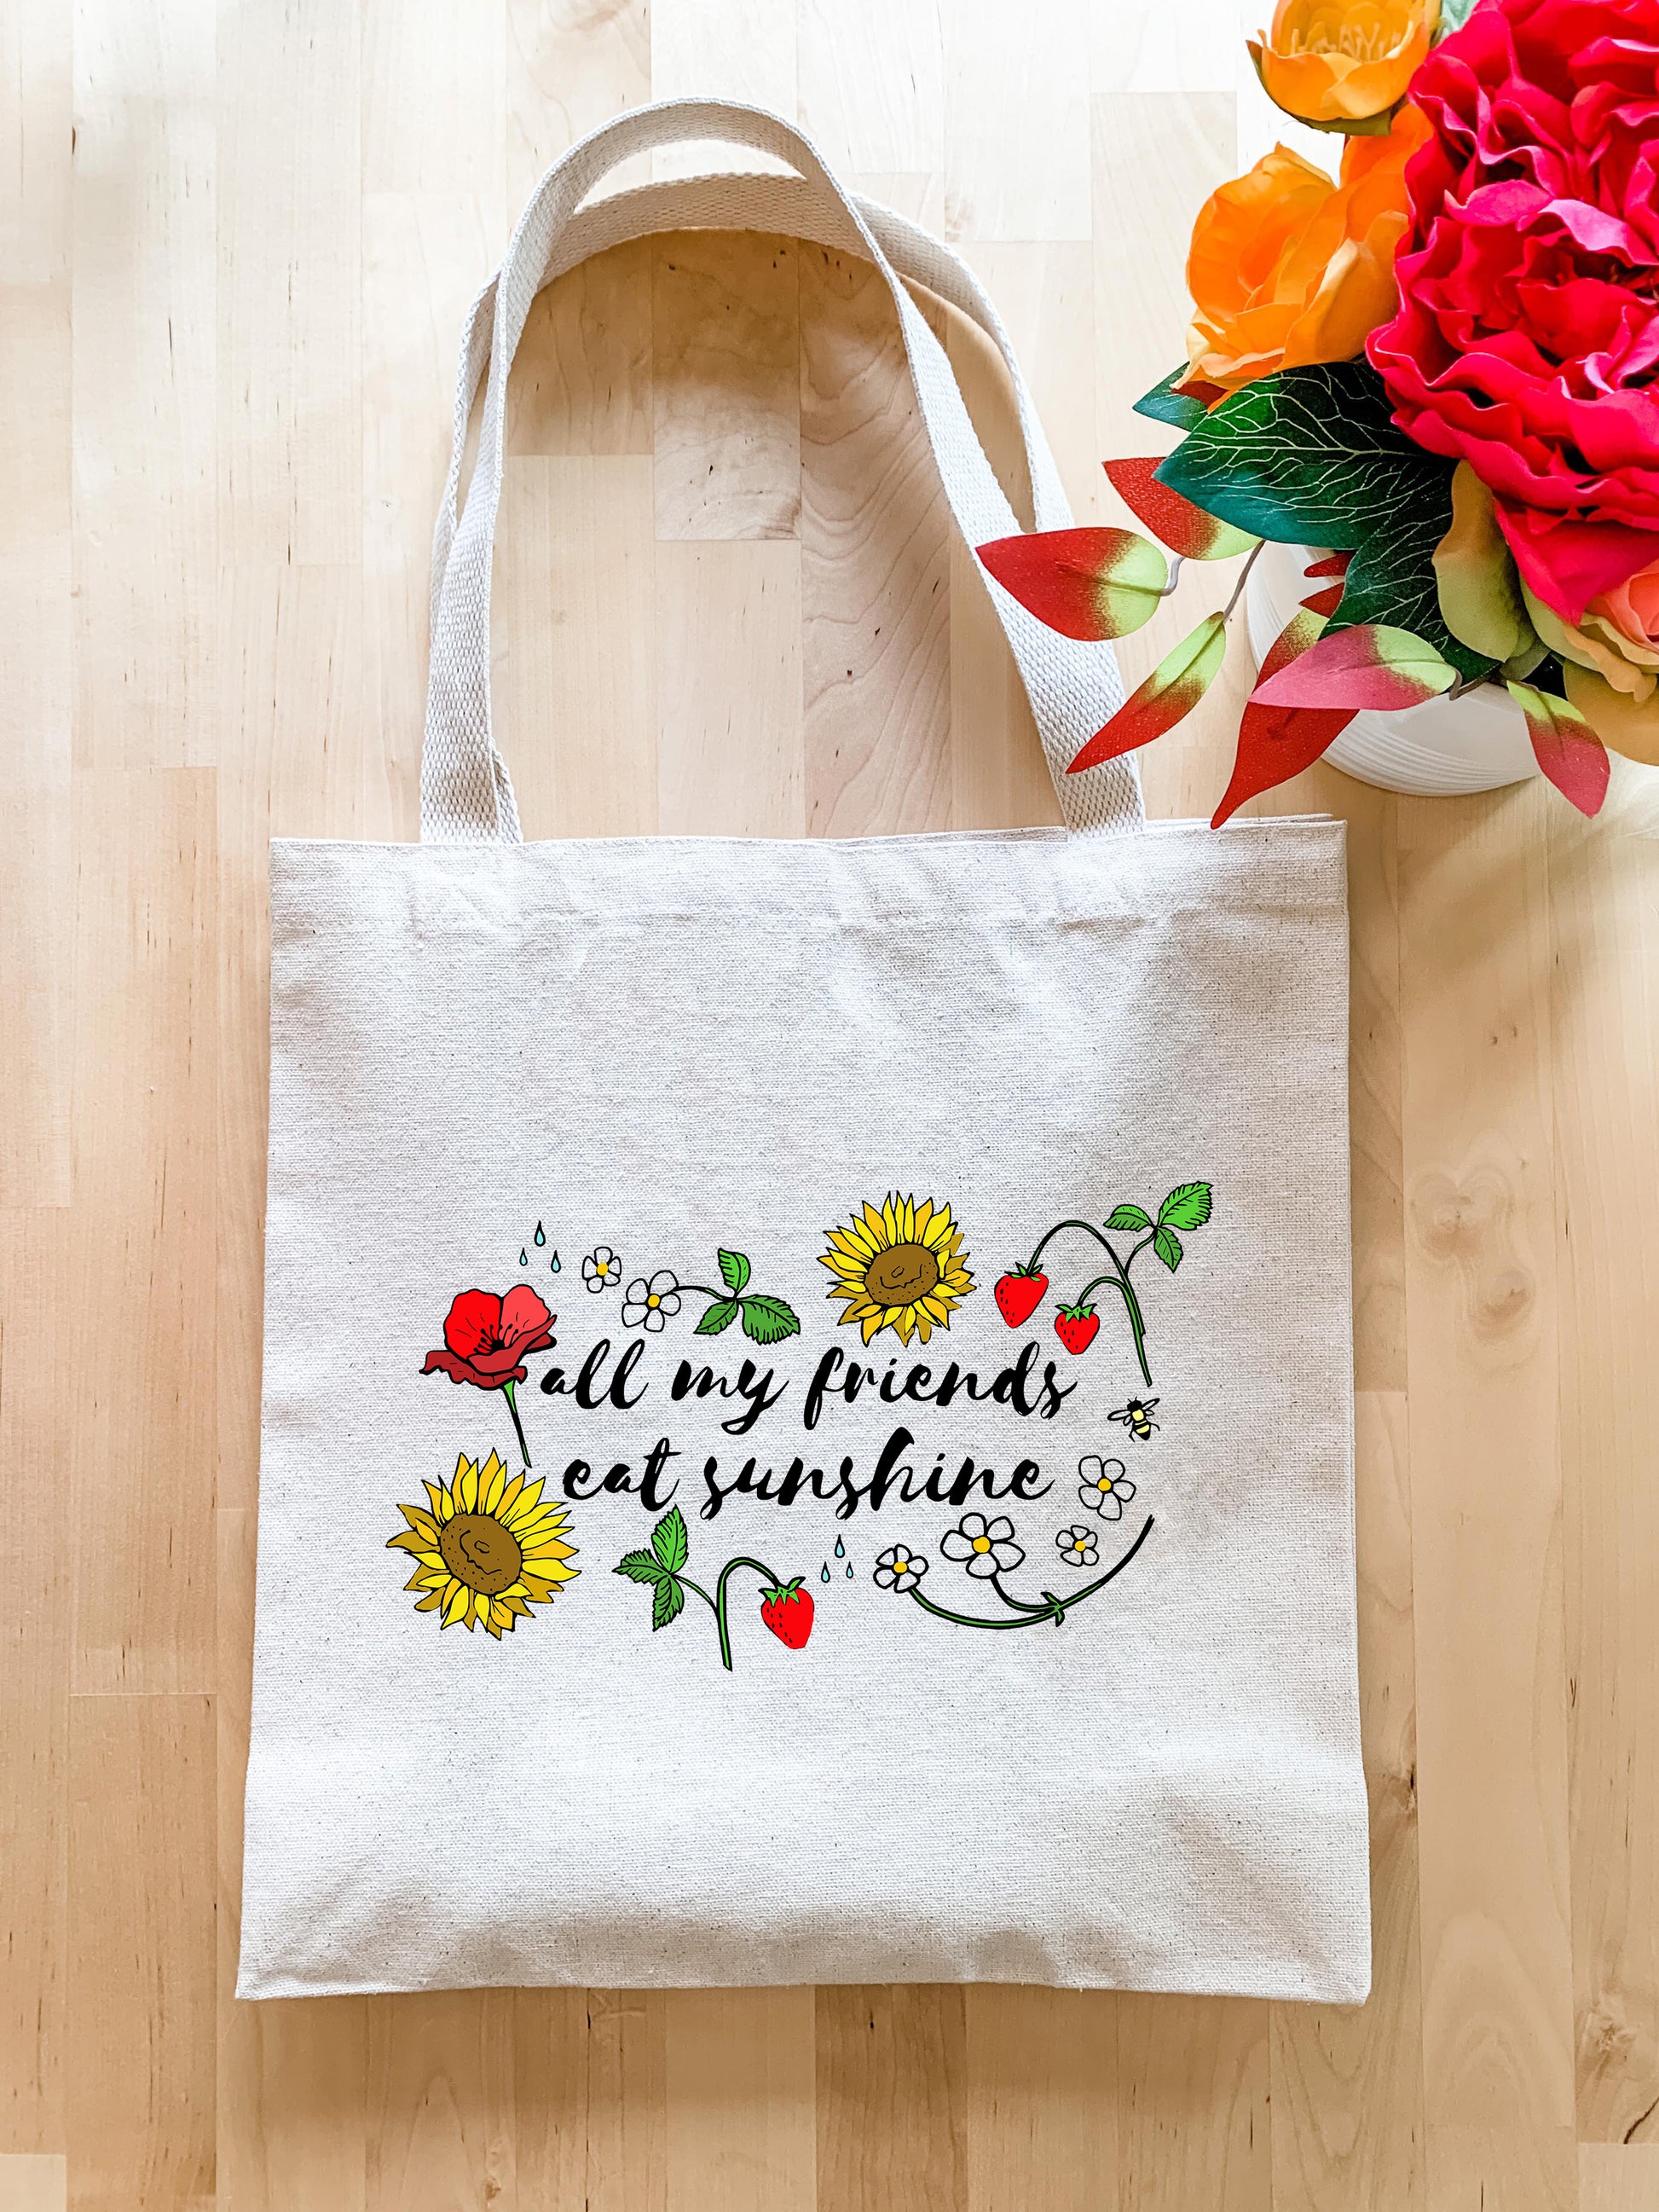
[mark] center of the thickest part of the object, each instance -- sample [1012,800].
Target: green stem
[1087,1227]
[513,1408]
[720,1601]
[1120,1282]
[1056,1608]
[1017,1604]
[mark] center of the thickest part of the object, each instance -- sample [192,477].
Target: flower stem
[720,1601]
[513,1408]
[1087,1227]
[1056,1609]
[1119,1281]
[1244,579]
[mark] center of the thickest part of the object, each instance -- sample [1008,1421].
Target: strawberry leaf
[1167,1245]
[1128,1217]
[1276,743]
[1566,747]
[716,1317]
[639,1567]
[734,1270]
[669,1541]
[1372,666]
[1090,584]
[1187,1206]
[769,1321]
[1185,529]
[1171,692]
[668,1602]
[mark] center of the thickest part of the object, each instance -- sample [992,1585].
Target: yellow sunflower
[486,1549]
[898,1267]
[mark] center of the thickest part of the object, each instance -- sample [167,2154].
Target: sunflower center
[480,1553]
[902,1273]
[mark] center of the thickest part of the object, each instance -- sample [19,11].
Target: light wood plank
[33,2181]
[1482,1329]
[726,398]
[875,539]
[892,2099]
[139,2044]
[739,2084]
[1194,2112]
[1042,2125]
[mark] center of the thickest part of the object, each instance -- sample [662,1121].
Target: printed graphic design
[764,1320]
[1137,1418]
[486,1551]
[486,1338]
[1106,1489]
[1020,1291]
[786,1607]
[899,1267]
[988,1550]
[601,1270]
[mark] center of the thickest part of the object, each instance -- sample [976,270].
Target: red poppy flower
[487,1337]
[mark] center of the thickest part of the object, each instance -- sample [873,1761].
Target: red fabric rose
[487,1337]
[1527,338]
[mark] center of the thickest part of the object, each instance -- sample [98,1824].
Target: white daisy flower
[1106,1489]
[900,1568]
[987,1546]
[648,1305]
[601,1269]
[1077,1547]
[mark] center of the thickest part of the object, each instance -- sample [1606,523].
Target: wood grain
[235,248]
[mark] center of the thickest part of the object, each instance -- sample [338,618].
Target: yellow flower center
[1104,1486]
[654,1300]
[982,1543]
[901,1562]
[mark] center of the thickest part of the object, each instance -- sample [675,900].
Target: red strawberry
[788,1612]
[1019,1294]
[1076,1326]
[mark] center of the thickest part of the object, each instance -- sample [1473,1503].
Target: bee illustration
[1137,1418]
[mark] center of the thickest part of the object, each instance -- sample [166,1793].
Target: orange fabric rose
[1287,268]
[1332,62]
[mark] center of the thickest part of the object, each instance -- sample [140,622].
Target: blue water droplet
[849,1571]
[824,1577]
[524,1257]
[840,1549]
[541,1234]
[554,1268]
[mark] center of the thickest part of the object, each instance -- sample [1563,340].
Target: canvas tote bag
[807,1422]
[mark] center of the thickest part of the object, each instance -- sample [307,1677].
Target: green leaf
[734,1271]
[717,1317]
[1128,1217]
[669,1541]
[1167,1245]
[1475,578]
[639,1567]
[668,1604]
[769,1321]
[1165,405]
[1187,1206]
[1312,457]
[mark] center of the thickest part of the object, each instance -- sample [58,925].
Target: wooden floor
[236,250]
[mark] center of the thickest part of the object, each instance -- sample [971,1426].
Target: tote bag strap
[466,795]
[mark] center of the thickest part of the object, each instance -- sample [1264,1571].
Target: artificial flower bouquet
[1441,371]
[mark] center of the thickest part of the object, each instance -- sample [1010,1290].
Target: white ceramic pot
[1476,742]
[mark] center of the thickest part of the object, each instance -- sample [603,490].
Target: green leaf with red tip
[1565,746]
[1090,583]
[1276,743]
[1334,564]
[1180,397]
[1371,665]
[1324,603]
[1171,692]
[1475,578]
[1172,519]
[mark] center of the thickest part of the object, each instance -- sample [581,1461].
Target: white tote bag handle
[466,795]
